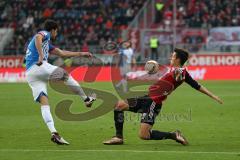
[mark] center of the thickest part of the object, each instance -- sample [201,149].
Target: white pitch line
[131,151]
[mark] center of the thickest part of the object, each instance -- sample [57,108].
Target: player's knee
[43,100]
[59,74]
[144,136]
[120,105]
[144,133]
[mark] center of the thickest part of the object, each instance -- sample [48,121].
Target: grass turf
[212,129]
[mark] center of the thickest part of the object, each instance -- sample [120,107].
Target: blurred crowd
[82,22]
[199,14]
[85,23]
[204,13]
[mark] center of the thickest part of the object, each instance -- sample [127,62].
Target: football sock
[75,87]
[119,84]
[119,120]
[47,117]
[123,82]
[125,85]
[158,135]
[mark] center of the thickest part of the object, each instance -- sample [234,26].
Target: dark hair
[50,24]
[182,55]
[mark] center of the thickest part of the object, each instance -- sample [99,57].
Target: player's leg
[120,83]
[119,109]
[123,82]
[77,89]
[46,113]
[126,69]
[152,54]
[148,120]
[156,52]
[48,119]
[59,74]
[150,112]
[39,91]
[36,78]
[131,104]
[146,133]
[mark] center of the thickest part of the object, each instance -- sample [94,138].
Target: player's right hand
[86,54]
[40,61]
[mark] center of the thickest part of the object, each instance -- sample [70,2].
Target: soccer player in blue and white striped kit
[39,72]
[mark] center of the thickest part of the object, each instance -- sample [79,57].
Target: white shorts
[37,78]
[125,69]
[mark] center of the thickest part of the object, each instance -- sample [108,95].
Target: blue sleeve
[45,34]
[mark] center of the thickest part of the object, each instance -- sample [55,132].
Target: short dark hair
[182,55]
[50,24]
[127,41]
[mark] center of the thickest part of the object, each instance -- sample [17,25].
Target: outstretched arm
[64,53]
[189,80]
[210,94]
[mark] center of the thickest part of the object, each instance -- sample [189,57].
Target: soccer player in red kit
[150,105]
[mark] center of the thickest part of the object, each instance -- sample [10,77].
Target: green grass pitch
[212,129]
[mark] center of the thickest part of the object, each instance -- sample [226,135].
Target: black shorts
[146,106]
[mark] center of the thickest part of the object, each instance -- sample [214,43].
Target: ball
[151,67]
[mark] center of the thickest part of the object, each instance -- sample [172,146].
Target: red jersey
[168,83]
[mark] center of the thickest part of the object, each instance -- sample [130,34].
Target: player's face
[127,44]
[174,61]
[54,34]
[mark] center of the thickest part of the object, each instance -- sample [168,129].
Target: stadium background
[210,30]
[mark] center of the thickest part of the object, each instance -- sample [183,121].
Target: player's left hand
[218,99]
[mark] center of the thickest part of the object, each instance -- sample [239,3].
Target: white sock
[119,84]
[47,117]
[75,87]
[125,85]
